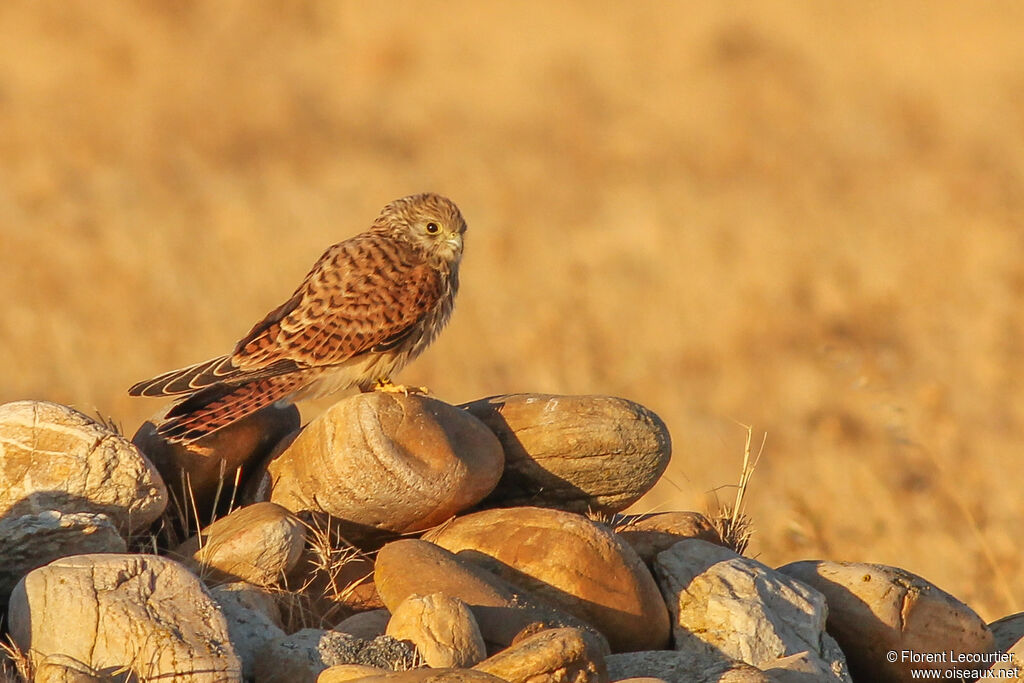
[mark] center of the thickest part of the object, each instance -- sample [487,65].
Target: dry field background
[806,217]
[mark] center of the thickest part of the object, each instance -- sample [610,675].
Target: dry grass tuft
[733,524]
[15,664]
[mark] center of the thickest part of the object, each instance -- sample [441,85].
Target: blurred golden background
[806,217]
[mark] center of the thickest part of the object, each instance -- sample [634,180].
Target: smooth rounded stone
[415,567]
[366,625]
[427,675]
[570,562]
[302,656]
[575,453]
[31,541]
[196,471]
[250,627]
[874,609]
[55,458]
[383,461]
[443,630]
[63,669]
[563,654]
[679,667]
[144,613]
[259,543]
[348,672]
[715,594]
[650,534]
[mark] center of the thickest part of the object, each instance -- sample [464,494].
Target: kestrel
[371,304]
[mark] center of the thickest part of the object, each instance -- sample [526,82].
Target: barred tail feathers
[218,406]
[186,380]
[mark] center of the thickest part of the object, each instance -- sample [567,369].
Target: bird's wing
[364,294]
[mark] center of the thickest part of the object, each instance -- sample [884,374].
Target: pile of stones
[396,537]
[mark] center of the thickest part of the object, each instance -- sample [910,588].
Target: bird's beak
[455,242]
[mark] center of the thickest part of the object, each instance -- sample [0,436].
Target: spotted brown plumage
[371,304]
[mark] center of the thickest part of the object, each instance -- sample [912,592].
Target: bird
[371,304]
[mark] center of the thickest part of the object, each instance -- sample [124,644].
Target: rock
[414,567]
[679,667]
[251,597]
[425,675]
[302,656]
[144,613]
[259,543]
[502,611]
[1008,633]
[442,628]
[648,535]
[564,654]
[211,463]
[874,609]
[250,628]
[570,562]
[381,461]
[798,668]
[715,594]
[56,458]
[62,669]
[31,541]
[366,625]
[348,672]
[335,578]
[575,453]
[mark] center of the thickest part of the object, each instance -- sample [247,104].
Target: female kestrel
[370,305]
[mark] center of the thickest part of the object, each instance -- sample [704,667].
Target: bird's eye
[433,228]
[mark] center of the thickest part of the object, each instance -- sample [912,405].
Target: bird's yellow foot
[389,387]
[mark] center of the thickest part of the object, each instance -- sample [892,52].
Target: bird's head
[431,223]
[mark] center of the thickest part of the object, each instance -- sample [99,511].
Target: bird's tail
[217,406]
[187,380]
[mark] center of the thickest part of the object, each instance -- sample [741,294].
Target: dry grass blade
[321,598]
[15,664]
[731,522]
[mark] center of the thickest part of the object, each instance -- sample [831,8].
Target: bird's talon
[389,387]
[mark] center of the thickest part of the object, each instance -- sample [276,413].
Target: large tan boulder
[442,628]
[200,470]
[576,453]
[570,562]
[55,458]
[259,543]
[388,462]
[876,609]
[564,654]
[738,608]
[140,613]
